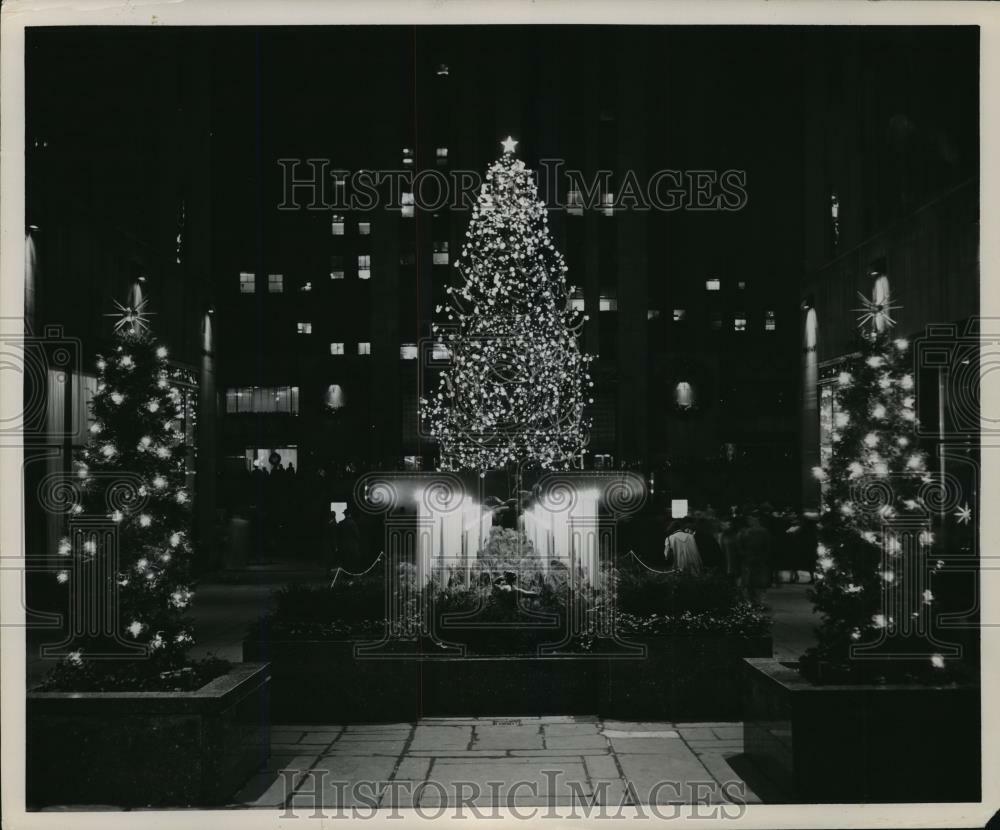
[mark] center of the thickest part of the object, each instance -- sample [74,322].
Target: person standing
[756,543]
[349,542]
[680,549]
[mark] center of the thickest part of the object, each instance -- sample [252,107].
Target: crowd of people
[756,545]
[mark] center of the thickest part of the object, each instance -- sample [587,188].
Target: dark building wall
[891,127]
[118,181]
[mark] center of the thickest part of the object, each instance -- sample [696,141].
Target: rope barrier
[341,570]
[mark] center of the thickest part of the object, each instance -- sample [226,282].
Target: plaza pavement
[498,762]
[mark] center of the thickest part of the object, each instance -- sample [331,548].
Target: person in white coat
[680,549]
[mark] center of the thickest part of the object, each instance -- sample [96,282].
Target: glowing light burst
[516,384]
[877,313]
[964,514]
[131,319]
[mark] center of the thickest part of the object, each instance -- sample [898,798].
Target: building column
[810,409]
[205,519]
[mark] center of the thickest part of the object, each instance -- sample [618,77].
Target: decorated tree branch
[517,384]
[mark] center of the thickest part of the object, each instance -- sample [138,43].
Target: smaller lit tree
[131,474]
[875,544]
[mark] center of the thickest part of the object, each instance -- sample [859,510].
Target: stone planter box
[860,743]
[681,678]
[684,677]
[158,749]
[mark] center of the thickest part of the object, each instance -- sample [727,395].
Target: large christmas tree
[875,552]
[517,384]
[131,478]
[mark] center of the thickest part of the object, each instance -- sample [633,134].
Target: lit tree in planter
[131,475]
[875,543]
[517,384]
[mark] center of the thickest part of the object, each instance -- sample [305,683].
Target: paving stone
[646,746]
[309,727]
[576,742]
[441,737]
[412,769]
[512,737]
[379,727]
[319,737]
[558,753]
[366,748]
[571,728]
[527,756]
[622,733]
[456,753]
[509,774]
[696,734]
[728,732]
[601,766]
[330,774]
[667,777]
[638,726]
[286,736]
[708,724]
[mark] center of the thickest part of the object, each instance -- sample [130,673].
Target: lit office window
[306,286]
[364,228]
[740,321]
[442,69]
[608,204]
[407,205]
[742,284]
[713,284]
[577,302]
[608,303]
[407,156]
[364,266]
[439,351]
[441,156]
[248,282]
[364,348]
[304,328]
[408,259]
[336,267]
[280,399]
[275,283]
[574,203]
[440,253]
[413,462]
[408,351]
[770,322]
[680,315]
[653,314]
[716,321]
[337,225]
[337,348]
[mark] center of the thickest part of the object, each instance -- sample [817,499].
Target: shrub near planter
[161,749]
[861,743]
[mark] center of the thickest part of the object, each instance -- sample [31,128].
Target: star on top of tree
[508,144]
[135,318]
[878,313]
